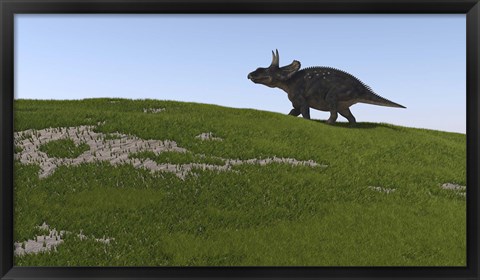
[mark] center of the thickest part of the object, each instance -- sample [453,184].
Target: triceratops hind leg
[305,110]
[331,99]
[333,117]
[348,115]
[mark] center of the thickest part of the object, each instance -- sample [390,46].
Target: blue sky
[418,61]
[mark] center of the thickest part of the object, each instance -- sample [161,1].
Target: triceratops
[321,88]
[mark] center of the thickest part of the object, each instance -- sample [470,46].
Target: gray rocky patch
[115,151]
[452,186]
[41,243]
[119,150]
[104,240]
[266,161]
[44,226]
[458,189]
[48,242]
[381,189]
[81,236]
[208,136]
[153,110]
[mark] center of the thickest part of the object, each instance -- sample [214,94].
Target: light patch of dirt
[382,189]
[458,189]
[208,136]
[40,243]
[153,110]
[104,240]
[117,151]
[266,161]
[44,243]
[452,186]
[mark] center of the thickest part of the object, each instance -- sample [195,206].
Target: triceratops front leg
[304,110]
[295,112]
[300,106]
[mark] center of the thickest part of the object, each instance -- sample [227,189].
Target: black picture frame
[8,8]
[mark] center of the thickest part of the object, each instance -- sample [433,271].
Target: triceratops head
[274,75]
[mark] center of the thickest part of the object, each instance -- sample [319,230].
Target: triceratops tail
[372,98]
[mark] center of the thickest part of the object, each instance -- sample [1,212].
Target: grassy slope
[270,215]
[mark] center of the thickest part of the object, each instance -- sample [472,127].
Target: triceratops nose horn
[275,59]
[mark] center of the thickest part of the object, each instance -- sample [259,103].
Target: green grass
[64,148]
[254,215]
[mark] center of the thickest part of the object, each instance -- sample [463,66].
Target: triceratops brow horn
[275,59]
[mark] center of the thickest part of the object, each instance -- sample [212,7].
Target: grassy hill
[373,199]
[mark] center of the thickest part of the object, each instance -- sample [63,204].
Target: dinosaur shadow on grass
[359,125]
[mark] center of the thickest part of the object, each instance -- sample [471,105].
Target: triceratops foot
[352,122]
[294,112]
[330,121]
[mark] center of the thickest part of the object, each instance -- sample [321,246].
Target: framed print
[272,139]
